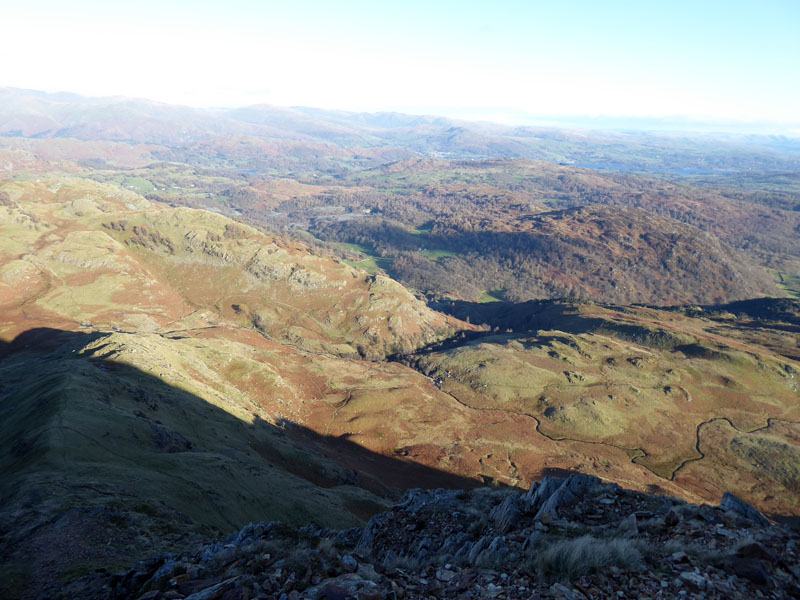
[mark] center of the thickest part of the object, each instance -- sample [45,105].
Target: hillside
[161,374]
[469,211]
[621,255]
[96,256]
[530,230]
[174,374]
[510,229]
[216,317]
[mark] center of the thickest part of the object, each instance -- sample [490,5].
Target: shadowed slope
[105,462]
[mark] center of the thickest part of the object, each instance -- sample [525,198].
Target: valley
[294,315]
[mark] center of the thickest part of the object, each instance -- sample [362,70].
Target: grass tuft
[571,559]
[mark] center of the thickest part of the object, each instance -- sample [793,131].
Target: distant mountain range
[28,113]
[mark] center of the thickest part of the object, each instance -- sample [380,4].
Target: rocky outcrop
[565,494]
[743,509]
[575,538]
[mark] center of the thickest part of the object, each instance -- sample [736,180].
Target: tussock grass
[571,559]
[405,562]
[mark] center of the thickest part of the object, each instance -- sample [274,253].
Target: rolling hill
[30,113]
[168,373]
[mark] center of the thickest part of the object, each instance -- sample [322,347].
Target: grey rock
[531,491]
[538,494]
[454,542]
[506,514]
[477,548]
[425,544]
[754,550]
[493,555]
[753,570]
[347,537]
[215,591]
[367,539]
[349,563]
[694,580]
[672,518]
[498,546]
[571,490]
[493,590]
[210,552]
[169,569]
[463,552]
[389,557]
[679,557]
[531,540]
[415,499]
[445,575]
[344,587]
[743,509]
[559,590]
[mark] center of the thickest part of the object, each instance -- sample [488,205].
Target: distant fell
[29,113]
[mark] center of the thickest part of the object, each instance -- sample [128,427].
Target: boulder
[506,514]
[743,509]
[569,492]
[539,493]
[753,570]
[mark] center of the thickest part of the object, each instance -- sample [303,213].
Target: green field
[788,283]
[137,184]
[491,296]
[437,254]
[371,263]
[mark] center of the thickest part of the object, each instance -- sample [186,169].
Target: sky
[508,61]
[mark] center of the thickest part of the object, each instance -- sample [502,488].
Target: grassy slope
[227,335]
[642,381]
[176,423]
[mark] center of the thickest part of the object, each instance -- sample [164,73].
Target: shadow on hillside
[103,464]
[546,315]
[521,317]
[153,406]
[780,314]
[771,310]
[163,420]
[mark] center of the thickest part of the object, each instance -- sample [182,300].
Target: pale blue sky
[729,60]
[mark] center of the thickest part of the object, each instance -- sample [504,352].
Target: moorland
[209,318]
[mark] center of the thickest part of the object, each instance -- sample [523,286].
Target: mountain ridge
[142,121]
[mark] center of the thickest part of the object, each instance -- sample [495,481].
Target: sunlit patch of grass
[353,247]
[371,263]
[437,254]
[490,296]
[137,184]
[788,283]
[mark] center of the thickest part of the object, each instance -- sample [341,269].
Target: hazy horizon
[626,124]
[725,63]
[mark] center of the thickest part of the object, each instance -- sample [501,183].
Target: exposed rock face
[566,494]
[575,538]
[740,507]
